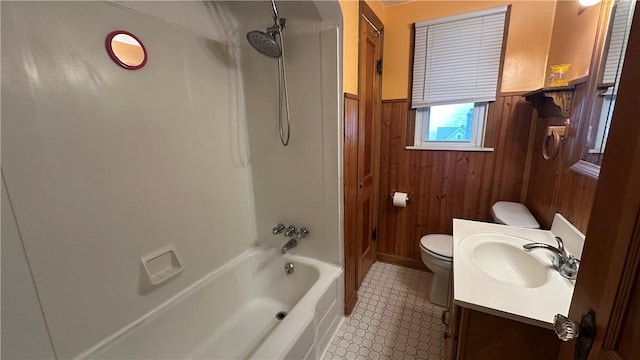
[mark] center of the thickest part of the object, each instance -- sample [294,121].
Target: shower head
[265,43]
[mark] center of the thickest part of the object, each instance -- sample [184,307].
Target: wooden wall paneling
[520,126]
[575,193]
[435,199]
[446,184]
[413,179]
[527,169]
[487,165]
[385,166]
[400,167]
[544,178]
[472,185]
[512,140]
[552,186]
[350,158]
[422,195]
[575,198]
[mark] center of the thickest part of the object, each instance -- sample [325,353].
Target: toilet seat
[438,245]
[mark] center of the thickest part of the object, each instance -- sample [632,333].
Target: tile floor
[392,320]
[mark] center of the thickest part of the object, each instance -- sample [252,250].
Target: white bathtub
[231,314]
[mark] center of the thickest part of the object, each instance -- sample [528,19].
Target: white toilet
[436,250]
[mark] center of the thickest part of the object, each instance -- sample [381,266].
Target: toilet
[436,250]
[513,214]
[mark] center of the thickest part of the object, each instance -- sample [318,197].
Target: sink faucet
[289,245]
[566,265]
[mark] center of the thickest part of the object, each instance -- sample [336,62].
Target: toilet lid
[514,214]
[438,244]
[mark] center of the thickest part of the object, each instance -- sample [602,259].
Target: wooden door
[369,114]
[608,280]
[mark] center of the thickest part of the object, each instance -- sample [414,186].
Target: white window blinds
[619,35]
[457,59]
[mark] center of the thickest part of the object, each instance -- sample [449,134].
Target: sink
[502,258]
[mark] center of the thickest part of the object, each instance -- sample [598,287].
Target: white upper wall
[104,165]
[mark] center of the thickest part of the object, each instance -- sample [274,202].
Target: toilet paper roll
[400,199]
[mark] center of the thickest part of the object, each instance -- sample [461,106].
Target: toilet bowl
[436,250]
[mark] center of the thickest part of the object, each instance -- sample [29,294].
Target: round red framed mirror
[126,50]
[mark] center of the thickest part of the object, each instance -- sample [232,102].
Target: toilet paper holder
[393,192]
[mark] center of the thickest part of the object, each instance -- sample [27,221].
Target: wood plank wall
[553,186]
[350,167]
[446,184]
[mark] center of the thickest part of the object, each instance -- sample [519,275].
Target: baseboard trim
[401,261]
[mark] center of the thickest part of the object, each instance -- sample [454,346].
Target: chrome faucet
[291,231]
[278,229]
[567,265]
[289,245]
[303,233]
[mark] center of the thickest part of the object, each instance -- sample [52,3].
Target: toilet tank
[513,214]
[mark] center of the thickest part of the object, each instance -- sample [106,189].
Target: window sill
[449,148]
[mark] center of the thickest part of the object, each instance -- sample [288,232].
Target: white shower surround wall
[180,172]
[231,314]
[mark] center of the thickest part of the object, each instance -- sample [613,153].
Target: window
[456,65]
[454,126]
[613,61]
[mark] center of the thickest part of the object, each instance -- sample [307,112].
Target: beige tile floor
[392,320]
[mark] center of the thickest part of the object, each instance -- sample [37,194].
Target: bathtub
[231,314]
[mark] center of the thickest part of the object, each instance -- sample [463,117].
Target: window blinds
[618,41]
[457,59]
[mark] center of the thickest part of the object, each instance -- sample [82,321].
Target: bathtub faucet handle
[278,229]
[303,233]
[290,232]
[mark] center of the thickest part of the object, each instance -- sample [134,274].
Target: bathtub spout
[289,245]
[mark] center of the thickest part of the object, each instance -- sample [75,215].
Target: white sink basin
[493,274]
[502,258]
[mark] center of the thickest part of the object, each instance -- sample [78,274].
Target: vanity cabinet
[474,335]
[484,336]
[451,320]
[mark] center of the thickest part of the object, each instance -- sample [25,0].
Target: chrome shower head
[265,43]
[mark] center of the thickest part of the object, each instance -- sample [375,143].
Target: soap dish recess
[162,264]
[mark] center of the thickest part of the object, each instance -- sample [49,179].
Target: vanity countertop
[475,289]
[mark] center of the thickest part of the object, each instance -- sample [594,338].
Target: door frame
[364,11]
[352,108]
[611,255]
